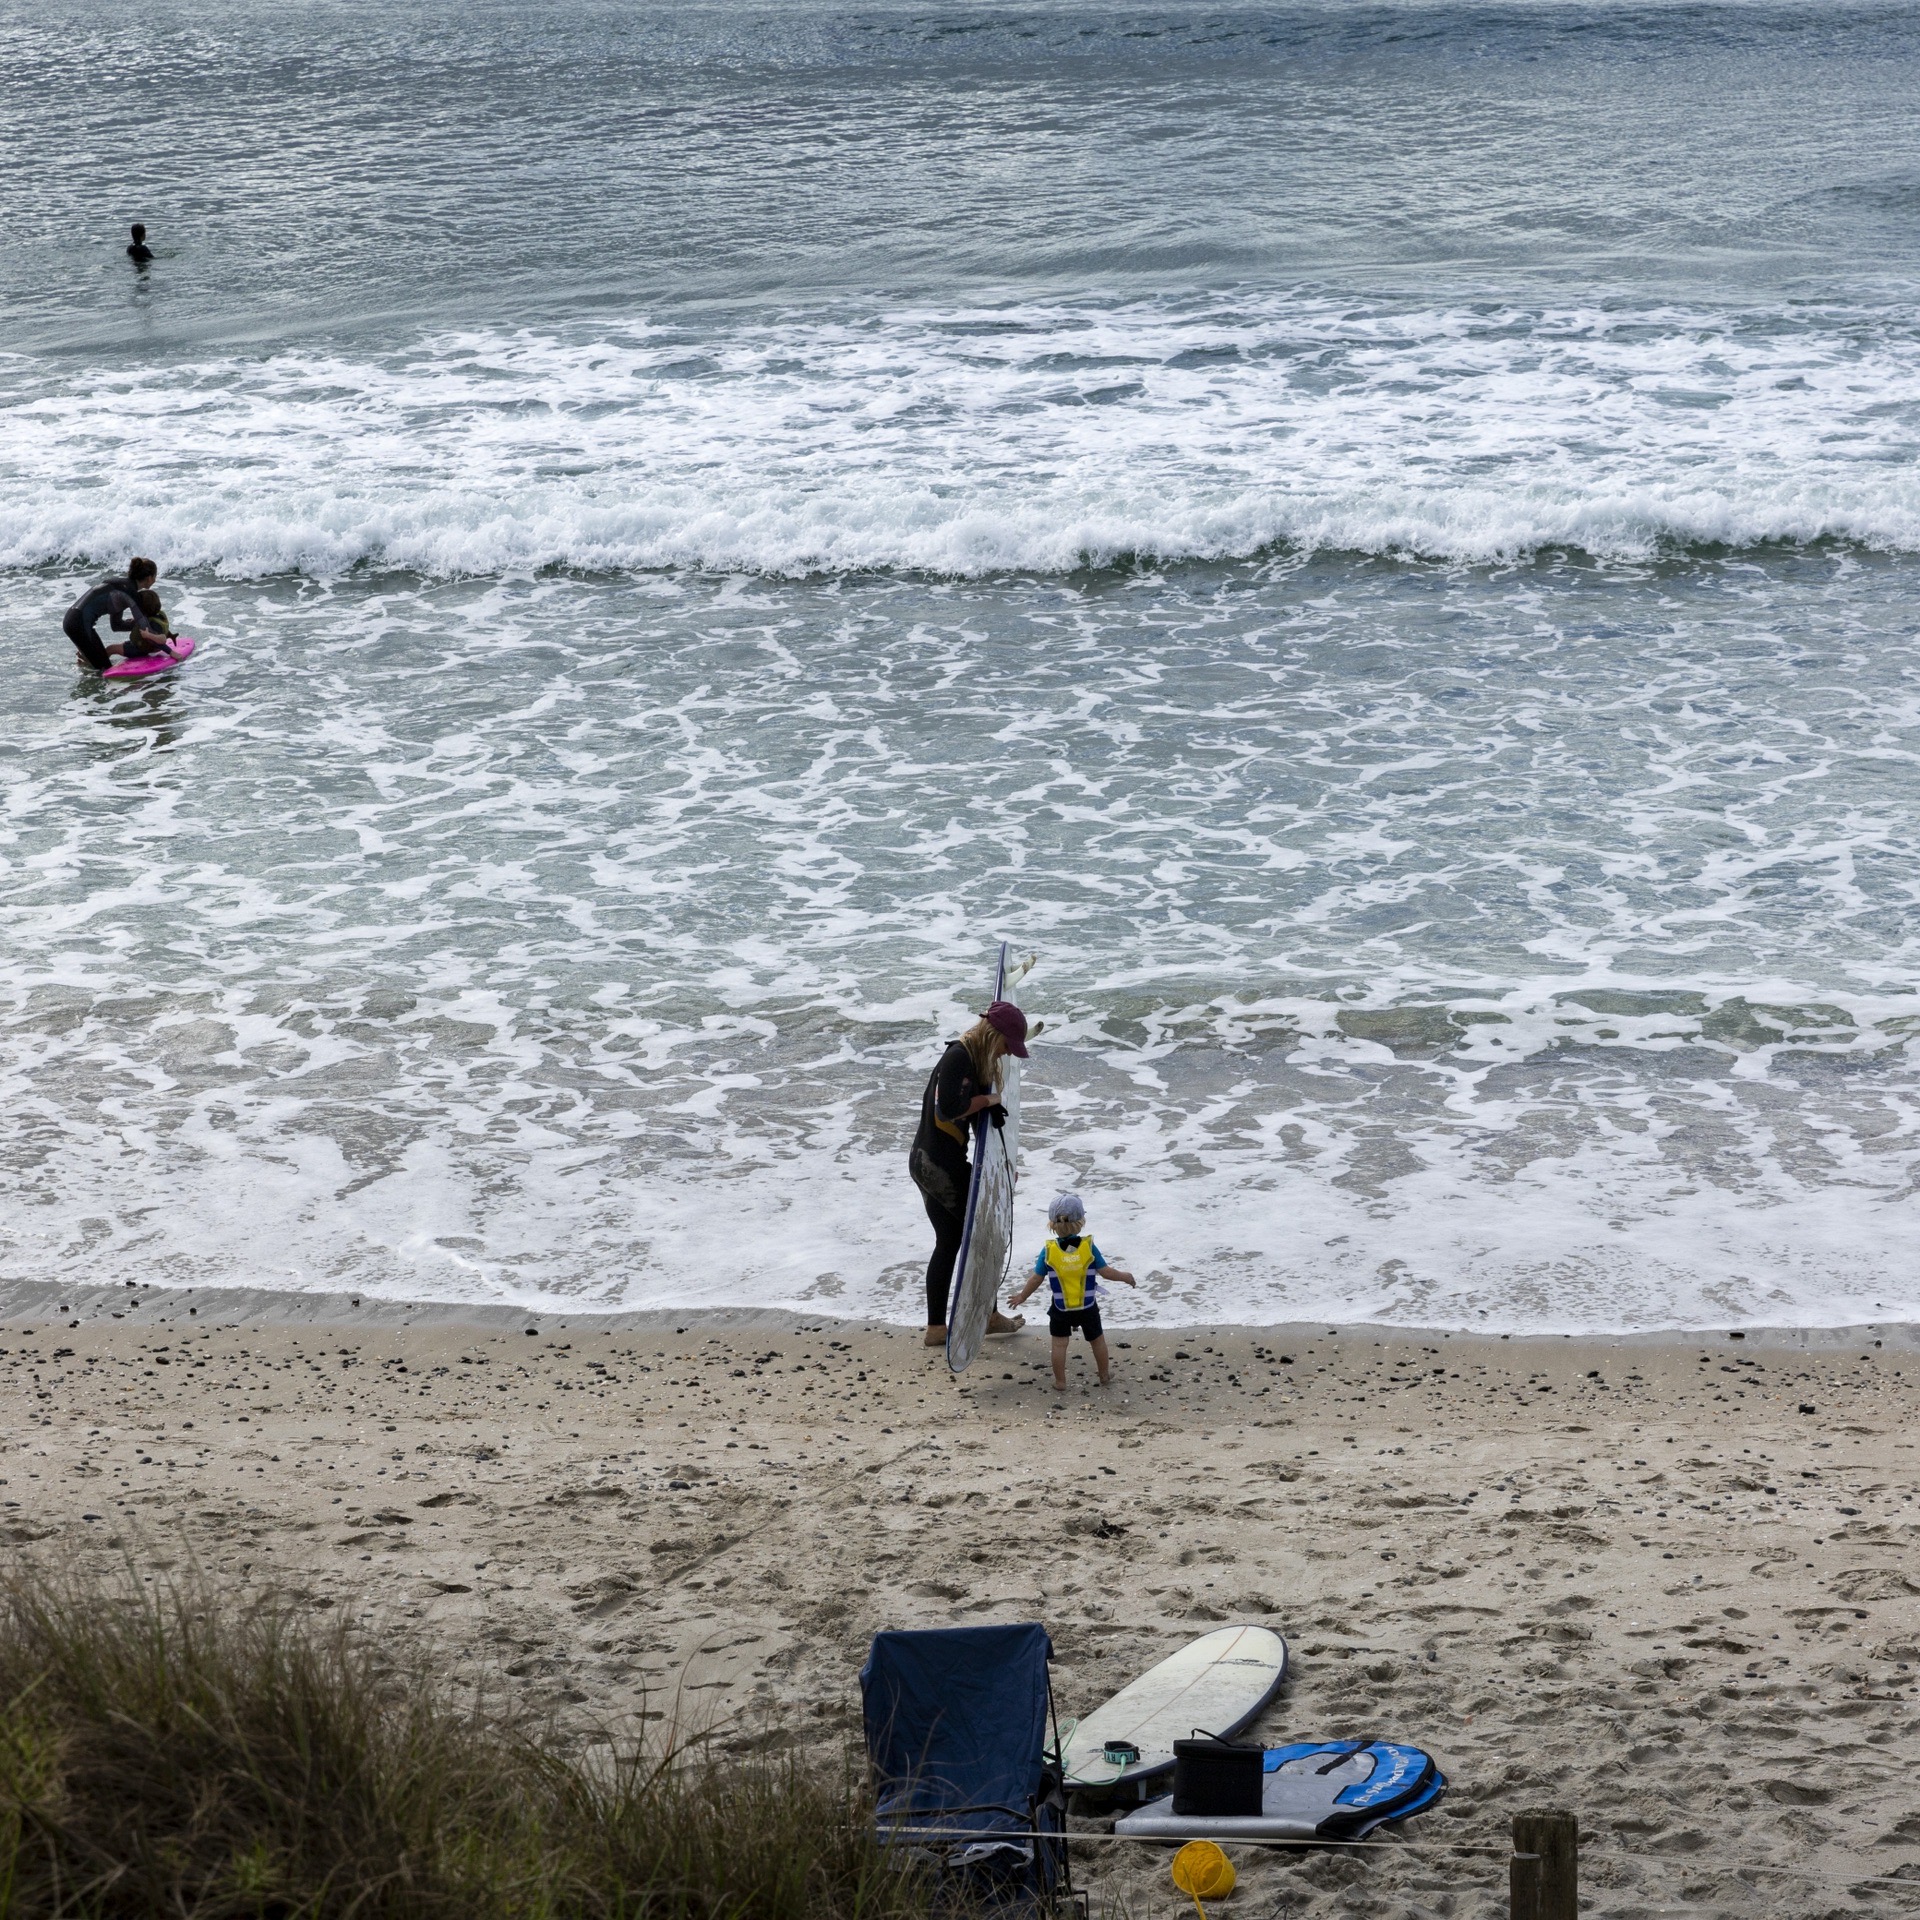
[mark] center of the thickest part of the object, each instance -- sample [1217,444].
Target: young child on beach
[1074,1267]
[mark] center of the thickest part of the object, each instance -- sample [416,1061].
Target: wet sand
[1669,1584]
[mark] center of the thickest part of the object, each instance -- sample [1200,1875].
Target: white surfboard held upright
[986,1239]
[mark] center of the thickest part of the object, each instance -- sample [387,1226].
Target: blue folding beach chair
[966,1757]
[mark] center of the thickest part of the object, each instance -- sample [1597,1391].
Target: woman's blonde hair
[985,1043]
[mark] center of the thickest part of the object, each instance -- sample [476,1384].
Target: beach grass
[165,1750]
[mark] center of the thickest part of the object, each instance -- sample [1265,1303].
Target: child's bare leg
[1060,1363]
[1100,1360]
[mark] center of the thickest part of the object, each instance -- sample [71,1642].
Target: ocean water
[1383,542]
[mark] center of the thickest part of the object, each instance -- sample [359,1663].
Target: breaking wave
[964,443]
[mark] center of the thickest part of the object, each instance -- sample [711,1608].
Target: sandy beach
[1667,1583]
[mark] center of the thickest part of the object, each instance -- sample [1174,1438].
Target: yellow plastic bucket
[1202,1872]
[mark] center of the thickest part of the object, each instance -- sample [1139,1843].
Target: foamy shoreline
[22,1301]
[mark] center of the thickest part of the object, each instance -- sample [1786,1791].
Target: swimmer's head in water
[139,232]
[142,572]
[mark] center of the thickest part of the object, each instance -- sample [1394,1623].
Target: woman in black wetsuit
[114,602]
[961,1086]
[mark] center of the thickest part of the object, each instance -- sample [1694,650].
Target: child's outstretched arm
[1032,1287]
[1117,1273]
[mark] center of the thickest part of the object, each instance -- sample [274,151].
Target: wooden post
[1555,1837]
[1523,1887]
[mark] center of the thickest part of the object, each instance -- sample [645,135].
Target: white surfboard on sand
[986,1239]
[1216,1684]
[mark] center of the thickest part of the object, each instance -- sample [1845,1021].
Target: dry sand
[1667,1584]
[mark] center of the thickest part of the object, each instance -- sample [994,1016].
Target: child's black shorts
[1061,1325]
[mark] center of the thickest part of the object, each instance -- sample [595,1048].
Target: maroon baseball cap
[1010,1024]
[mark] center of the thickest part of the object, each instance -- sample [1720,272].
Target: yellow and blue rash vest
[1070,1270]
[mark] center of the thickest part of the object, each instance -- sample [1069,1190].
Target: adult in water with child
[964,1084]
[118,602]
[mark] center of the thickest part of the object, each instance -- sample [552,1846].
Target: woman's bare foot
[935,1337]
[1006,1323]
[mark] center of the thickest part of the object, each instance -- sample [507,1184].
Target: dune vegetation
[165,1751]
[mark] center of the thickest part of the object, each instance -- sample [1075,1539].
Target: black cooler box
[1214,1779]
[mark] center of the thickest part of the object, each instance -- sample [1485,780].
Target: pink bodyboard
[153,663]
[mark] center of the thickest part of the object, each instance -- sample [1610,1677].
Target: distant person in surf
[139,253]
[1073,1267]
[117,602]
[963,1085]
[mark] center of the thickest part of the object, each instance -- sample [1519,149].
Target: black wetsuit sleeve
[125,614]
[955,1084]
[949,1092]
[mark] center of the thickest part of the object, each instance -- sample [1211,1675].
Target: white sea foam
[1240,1240]
[1528,950]
[969,442]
